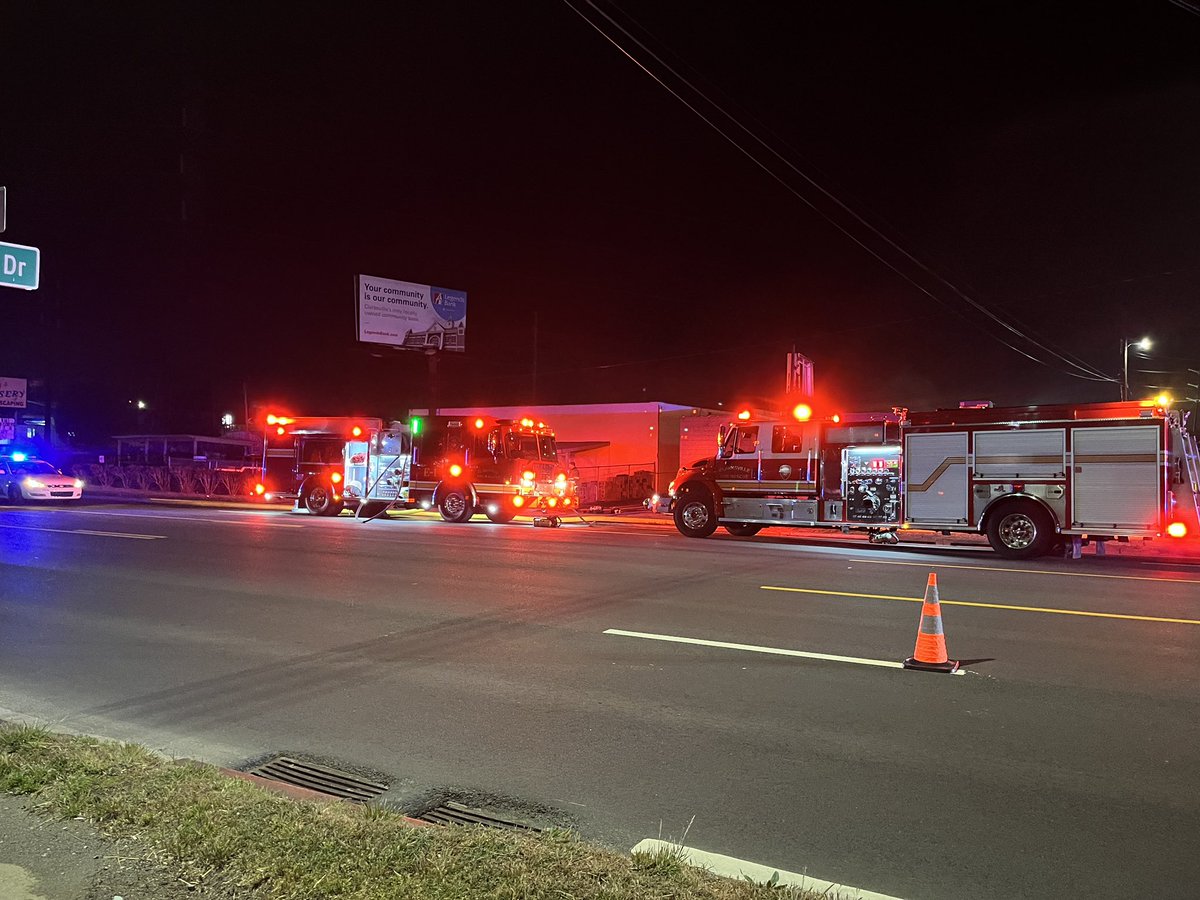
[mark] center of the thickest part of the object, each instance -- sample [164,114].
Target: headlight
[33,484]
[79,483]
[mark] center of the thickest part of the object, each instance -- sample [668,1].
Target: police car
[26,478]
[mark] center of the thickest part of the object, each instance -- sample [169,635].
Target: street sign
[19,266]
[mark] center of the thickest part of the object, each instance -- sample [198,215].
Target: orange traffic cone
[930,655]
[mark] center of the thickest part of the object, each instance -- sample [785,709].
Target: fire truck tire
[1020,529]
[455,505]
[743,529]
[503,514]
[318,500]
[370,508]
[695,515]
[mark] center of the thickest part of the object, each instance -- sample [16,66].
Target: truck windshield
[548,448]
[521,446]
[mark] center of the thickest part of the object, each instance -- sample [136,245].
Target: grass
[215,829]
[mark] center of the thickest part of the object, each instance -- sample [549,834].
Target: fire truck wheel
[695,516]
[500,513]
[371,508]
[455,505]
[1020,530]
[318,500]
[743,529]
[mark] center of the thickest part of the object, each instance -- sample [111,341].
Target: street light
[1143,344]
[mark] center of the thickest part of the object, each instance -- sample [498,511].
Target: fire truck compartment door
[1115,477]
[1023,454]
[935,478]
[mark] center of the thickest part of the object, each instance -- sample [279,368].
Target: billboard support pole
[432,356]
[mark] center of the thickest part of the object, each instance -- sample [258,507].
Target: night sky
[206,180]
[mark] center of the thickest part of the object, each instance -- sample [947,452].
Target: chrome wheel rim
[1017,531]
[695,515]
[454,504]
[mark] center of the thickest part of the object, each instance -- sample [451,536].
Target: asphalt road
[478,660]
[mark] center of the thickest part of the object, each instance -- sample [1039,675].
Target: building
[187,450]
[627,449]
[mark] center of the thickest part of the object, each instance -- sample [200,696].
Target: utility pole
[533,399]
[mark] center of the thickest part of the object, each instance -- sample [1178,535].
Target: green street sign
[19,266]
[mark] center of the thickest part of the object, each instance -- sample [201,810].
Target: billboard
[411,316]
[12,392]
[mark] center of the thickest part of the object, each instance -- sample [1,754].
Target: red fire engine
[304,459]
[497,467]
[1027,477]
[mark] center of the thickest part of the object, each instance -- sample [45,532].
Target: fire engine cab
[1027,477]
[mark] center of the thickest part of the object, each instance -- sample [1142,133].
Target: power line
[1090,373]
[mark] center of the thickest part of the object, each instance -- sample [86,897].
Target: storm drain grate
[320,778]
[450,813]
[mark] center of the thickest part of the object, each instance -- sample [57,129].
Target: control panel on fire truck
[871,483]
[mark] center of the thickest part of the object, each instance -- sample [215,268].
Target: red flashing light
[836,418]
[518,501]
[744,415]
[455,470]
[281,430]
[552,502]
[479,423]
[336,477]
[1177,530]
[260,489]
[271,418]
[802,412]
[566,501]
[356,431]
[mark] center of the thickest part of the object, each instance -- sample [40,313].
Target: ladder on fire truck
[1191,456]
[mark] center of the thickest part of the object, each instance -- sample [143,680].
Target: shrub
[207,479]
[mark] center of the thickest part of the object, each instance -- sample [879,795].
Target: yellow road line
[925,565]
[1035,609]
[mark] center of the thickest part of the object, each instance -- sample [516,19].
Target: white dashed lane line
[84,531]
[754,648]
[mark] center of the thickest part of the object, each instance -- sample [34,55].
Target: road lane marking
[264,517]
[1034,609]
[888,562]
[754,648]
[740,870]
[118,534]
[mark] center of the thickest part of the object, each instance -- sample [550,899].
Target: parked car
[659,503]
[25,478]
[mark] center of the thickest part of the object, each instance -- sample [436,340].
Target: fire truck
[1028,477]
[498,467]
[304,459]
